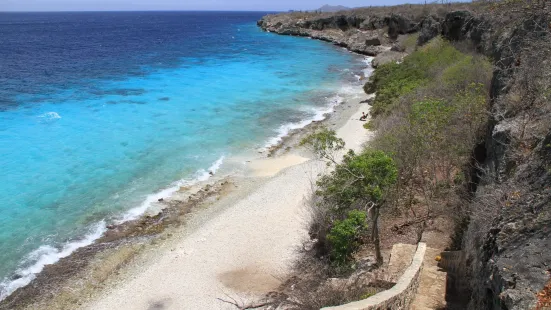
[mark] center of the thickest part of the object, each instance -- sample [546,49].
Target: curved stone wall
[400,295]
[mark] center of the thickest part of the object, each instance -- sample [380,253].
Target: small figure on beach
[364,117]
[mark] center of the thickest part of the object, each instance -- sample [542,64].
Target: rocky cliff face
[364,31]
[507,244]
[351,31]
[508,241]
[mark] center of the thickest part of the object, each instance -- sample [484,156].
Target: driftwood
[242,306]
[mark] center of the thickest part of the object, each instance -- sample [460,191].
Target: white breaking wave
[368,71]
[346,92]
[47,255]
[319,115]
[199,176]
[50,116]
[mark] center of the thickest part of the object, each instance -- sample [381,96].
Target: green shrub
[362,177]
[369,125]
[324,143]
[428,119]
[357,179]
[344,236]
[392,80]
[466,71]
[459,178]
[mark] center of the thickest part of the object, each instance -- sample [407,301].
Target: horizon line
[168,10]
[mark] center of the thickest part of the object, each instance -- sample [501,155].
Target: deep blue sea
[102,113]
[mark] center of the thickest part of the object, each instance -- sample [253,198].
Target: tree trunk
[375,234]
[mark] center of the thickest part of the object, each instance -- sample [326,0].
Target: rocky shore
[370,31]
[86,270]
[126,248]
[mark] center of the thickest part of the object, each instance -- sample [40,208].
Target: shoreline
[221,251]
[92,233]
[120,244]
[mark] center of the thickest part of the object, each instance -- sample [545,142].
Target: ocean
[102,113]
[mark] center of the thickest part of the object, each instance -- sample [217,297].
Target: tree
[360,180]
[345,234]
[325,144]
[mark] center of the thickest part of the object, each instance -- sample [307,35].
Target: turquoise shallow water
[83,150]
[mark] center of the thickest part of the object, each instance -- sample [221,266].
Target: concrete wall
[400,295]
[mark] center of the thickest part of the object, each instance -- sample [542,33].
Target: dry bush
[313,287]
[408,43]
[414,12]
[320,222]
[328,296]
[429,155]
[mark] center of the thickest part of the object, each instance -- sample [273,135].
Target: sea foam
[47,254]
[201,175]
[50,115]
[368,71]
[318,114]
[346,92]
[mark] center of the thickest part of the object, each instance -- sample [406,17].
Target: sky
[221,5]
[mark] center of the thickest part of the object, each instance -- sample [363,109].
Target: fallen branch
[243,306]
[413,222]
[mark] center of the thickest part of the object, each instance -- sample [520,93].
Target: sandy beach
[243,250]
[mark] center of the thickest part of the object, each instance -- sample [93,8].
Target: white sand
[247,247]
[267,167]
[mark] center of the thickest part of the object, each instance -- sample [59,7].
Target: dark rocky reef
[507,243]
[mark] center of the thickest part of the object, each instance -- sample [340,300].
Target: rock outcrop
[360,33]
[430,27]
[337,29]
[365,31]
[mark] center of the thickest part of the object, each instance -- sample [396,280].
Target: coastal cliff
[367,31]
[506,235]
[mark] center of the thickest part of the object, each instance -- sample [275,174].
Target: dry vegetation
[412,11]
[412,175]
[433,112]
[432,115]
